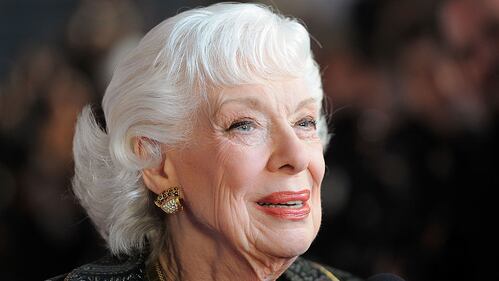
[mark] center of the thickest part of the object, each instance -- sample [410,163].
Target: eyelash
[309,121]
[247,125]
[240,124]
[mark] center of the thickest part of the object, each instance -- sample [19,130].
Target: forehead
[287,93]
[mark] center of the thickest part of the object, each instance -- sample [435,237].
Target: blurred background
[414,93]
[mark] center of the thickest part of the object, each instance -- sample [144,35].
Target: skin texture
[249,142]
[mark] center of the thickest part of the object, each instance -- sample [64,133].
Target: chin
[285,238]
[289,249]
[289,243]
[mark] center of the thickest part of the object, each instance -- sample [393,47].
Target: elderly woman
[211,163]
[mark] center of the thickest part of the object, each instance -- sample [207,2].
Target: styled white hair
[155,93]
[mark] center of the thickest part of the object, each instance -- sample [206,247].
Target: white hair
[154,94]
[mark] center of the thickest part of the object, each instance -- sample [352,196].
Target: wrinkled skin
[250,142]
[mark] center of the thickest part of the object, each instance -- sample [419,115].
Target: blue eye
[307,123]
[244,126]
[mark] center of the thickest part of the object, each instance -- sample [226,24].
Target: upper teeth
[286,204]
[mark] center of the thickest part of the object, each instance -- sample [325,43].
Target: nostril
[287,166]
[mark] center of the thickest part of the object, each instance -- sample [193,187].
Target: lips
[288,205]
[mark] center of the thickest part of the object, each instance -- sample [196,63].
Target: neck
[197,253]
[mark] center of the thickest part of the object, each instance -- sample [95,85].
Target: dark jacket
[133,268]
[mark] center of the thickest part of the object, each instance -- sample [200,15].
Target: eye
[307,123]
[244,126]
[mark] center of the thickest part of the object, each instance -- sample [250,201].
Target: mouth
[289,205]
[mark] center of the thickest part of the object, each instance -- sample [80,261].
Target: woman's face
[253,170]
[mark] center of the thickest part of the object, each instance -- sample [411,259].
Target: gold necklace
[159,271]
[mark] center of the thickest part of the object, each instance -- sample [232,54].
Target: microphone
[385,277]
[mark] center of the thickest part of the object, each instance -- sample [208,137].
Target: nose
[289,153]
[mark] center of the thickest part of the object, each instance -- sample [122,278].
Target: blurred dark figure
[38,214]
[416,126]
[43,231]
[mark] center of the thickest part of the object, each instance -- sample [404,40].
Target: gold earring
[169,200]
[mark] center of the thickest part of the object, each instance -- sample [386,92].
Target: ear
[158,178]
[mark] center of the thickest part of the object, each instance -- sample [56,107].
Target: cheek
[241,170]
[216,180]
[197,170]
[317,169]
[243,167]
[317,164]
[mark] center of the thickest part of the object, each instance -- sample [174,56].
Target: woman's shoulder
[130,268]
[303,269]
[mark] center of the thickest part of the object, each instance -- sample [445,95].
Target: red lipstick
[288,205]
